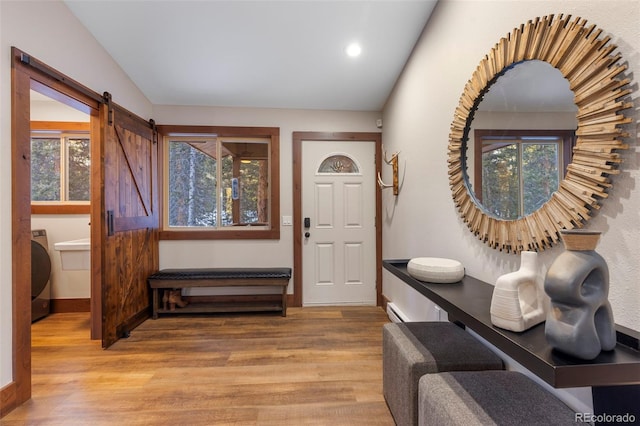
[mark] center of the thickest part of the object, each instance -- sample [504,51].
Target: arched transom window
[338,164]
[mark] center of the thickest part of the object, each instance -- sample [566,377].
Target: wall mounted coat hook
[393,161]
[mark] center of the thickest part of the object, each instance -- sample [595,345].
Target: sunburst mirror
[594,74]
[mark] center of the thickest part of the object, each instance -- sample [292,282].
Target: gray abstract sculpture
[580,321]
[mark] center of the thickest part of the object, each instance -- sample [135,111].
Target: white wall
[423,221]
[229,253]
[56,111]
[49,32]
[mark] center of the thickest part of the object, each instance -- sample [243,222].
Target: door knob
[307,234]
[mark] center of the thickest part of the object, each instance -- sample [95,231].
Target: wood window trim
[568,140]
[63,127]
[60,208]
[272,133]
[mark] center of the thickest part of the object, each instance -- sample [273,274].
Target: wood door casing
[339,257]
[297,139]
[130,241]
[28,73]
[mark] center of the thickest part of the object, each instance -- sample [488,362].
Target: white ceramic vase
[518,301]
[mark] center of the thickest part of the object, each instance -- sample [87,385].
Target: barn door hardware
[154,129]
[106,99]
[43,68]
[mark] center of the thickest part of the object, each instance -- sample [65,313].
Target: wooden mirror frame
[587,62]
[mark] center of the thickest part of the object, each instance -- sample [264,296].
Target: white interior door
[338,198]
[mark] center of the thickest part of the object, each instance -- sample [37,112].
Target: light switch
[287,220]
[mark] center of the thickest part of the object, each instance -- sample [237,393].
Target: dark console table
[614,375]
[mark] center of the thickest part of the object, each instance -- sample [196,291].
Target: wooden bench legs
[212,307]
[176,279]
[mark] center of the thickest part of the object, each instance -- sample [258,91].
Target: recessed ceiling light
[353,50]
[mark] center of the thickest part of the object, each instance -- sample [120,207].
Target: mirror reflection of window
[519,174]
[534,96]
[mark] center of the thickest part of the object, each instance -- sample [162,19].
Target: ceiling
[266,54]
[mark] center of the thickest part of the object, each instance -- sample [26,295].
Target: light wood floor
[317,366]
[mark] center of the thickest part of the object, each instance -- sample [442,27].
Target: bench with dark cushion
[173,279]
[413,349]
[488,398]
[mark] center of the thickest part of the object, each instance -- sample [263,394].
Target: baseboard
[7,399]
[385,302]
[59,306]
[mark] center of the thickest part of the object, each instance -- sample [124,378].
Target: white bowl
[435,270]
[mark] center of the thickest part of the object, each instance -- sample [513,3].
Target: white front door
[338,205]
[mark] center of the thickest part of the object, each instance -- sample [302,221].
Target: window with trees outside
[219,182]
[518,171]
[60,166]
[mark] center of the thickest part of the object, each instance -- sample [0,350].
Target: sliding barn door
[129,221]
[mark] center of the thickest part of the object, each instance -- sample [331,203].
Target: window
[60,164]
[220,182]
[518,171]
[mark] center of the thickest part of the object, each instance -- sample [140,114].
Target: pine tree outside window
[60,168]
[517,171]
[215,184]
